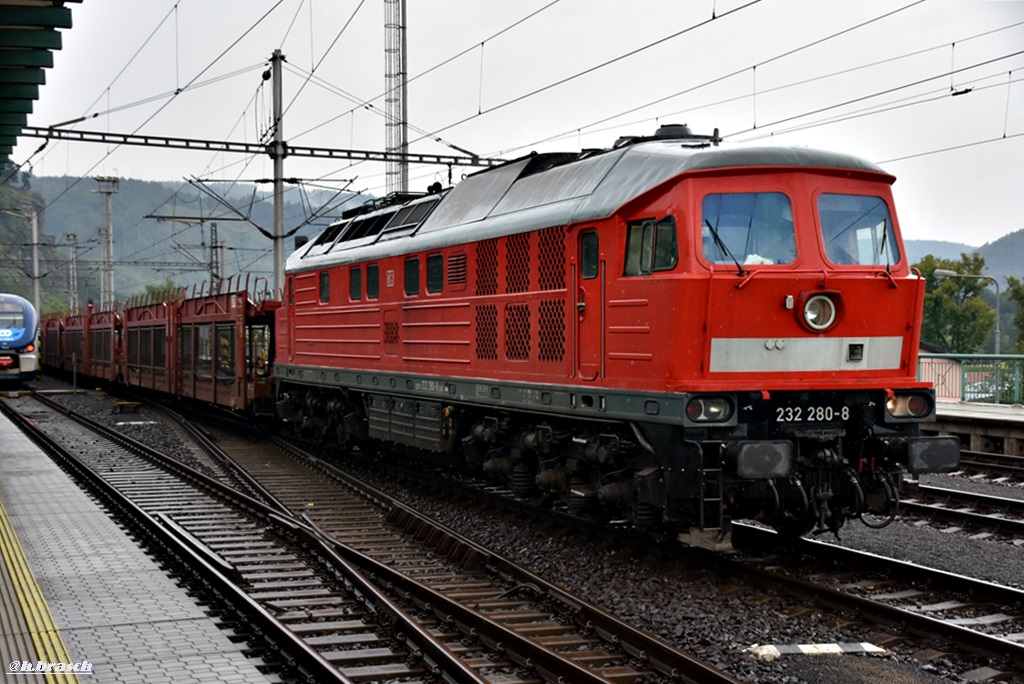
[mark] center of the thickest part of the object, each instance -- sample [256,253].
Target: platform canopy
[28,36]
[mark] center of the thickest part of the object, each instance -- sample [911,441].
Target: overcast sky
[865,77]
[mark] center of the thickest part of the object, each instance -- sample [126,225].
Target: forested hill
[73,206]
[1003,257]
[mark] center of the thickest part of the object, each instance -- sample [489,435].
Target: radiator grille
[487,332]
[487,267]
[517,332]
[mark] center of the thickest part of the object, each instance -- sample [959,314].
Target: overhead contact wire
[596,67]
[727,76]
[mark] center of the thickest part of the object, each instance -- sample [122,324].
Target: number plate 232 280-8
[811,414]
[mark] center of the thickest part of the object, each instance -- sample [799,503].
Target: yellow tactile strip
[18,587]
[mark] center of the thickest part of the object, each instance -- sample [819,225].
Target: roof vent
[674,131]
[680,132]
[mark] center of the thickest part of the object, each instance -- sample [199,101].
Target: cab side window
[372,281]
[651,246]
[590,255]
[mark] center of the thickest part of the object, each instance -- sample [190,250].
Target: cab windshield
[11,316]
[748,228]
[857,229]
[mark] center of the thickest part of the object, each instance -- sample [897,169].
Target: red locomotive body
[666,330]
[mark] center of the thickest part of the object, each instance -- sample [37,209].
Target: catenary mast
[107,187]
[395,77]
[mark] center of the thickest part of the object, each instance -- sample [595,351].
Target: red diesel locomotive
[667,331]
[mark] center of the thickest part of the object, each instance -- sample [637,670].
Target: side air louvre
[487,332]
[487,267]
[390,332]
[517,332]
[518,262]
[457,269]
[551,345]
[525,330]
[552,258]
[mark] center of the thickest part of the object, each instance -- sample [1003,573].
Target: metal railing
[974,377]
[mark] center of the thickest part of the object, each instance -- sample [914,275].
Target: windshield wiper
[884,247]
[721,246]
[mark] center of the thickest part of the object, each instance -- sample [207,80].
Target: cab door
[589,276]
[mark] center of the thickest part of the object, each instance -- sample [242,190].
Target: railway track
[997,465]
[279,577]
[960,612]
[966,614]
[479,592]
[453,611]
[916,603]
[982,514]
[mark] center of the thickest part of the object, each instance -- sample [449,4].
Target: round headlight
[709,410]
[909,406]
[820,312]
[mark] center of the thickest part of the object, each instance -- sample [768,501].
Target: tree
[161,288]
[1016,294]
[955,315]
[157,291]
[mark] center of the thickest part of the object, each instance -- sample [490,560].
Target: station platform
[975,411]
[76,590]
[991,428]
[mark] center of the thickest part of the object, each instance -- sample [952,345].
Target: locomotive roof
[517,198]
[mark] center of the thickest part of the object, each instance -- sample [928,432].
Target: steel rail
[204,442]
[924,506]
[522,650]
[492,634]
[635,643]
[917,623]
[1002,464]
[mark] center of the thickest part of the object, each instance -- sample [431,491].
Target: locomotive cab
[810,349]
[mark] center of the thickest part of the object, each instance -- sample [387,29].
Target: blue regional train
[19,355]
